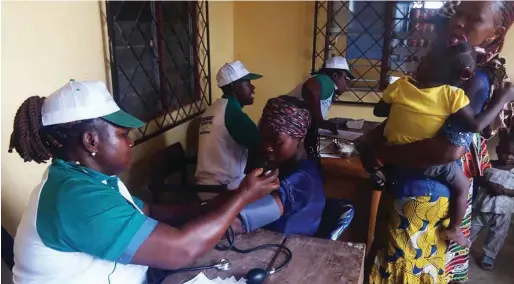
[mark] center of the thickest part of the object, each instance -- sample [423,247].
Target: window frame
[325,43]
[176,110]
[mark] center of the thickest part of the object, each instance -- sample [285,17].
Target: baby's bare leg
[458,205]
[459,184]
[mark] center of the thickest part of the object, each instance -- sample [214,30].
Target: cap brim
[123,119]
[251,76]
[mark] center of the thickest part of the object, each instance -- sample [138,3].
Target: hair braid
[311,141]
[37,143]
[35,118]
[25,137]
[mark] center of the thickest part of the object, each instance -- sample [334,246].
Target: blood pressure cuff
[259,213]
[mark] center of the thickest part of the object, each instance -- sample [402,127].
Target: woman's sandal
[486,263]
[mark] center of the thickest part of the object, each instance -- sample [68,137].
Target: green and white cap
[339,62]
[85,100]
[234,71]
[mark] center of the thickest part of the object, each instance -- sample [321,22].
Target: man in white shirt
[226,133]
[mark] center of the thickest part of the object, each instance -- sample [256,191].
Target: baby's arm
[382,109]
[466,116]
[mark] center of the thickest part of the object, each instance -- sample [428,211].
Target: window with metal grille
[380,39]
[160,61]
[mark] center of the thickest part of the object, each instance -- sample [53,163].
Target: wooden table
[314,260]
[322,261]
[346,178]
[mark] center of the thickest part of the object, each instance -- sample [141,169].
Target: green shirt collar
[90,172]
[233,100]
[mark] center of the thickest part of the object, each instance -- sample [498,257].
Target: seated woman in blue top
[297,207]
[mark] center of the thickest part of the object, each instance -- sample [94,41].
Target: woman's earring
[93,153]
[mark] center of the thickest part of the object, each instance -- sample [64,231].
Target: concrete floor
[503,272]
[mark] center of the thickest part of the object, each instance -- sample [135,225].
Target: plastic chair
[337,216]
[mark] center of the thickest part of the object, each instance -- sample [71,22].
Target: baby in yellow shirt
[418,108]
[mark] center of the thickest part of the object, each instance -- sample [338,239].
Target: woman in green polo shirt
[81,224]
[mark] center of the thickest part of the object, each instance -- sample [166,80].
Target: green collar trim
[232,100]
[92,173]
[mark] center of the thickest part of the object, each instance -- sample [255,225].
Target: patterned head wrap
[284,115]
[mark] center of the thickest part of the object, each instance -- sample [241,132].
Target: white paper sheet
[347,135]
[355,124]
[202,279]
[332,156]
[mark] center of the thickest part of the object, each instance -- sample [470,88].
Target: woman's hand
[254,186]
[495,189]
[368,144]
[173,248]
[506,93]
[369,160]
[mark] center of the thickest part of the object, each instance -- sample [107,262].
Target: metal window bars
[160,61]
[380,39]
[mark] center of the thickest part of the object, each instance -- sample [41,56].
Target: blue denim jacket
[404,182]
[303,197]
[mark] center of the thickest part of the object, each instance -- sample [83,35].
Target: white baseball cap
[84,100]
[231,72]
[339,62]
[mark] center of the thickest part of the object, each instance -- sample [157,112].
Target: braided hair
[506,10]
[37,143]
[311,140]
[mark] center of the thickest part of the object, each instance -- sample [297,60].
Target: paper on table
[231,280]
[347,135]
[331,156]
[355,124]
[202,279]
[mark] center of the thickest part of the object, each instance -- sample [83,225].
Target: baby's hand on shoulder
[506,92]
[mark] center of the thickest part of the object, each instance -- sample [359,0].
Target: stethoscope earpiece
[223,265]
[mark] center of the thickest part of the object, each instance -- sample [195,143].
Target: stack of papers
[346,135]
[202,279]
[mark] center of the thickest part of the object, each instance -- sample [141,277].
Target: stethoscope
[254,276]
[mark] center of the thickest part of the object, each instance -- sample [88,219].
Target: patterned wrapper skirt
[457,257]
[413,252]
[474,163]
